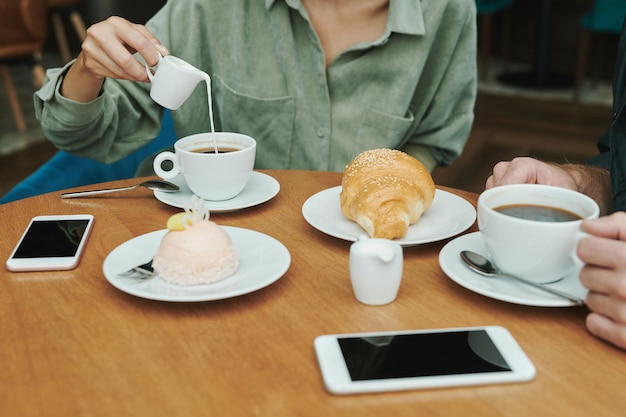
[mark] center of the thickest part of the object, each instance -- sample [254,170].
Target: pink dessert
[197,252]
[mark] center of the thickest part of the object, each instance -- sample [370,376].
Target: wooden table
[73,345]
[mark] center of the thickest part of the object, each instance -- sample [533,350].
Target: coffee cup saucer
[260,188]
[501,288]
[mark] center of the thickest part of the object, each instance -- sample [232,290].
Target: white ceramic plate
[262,261]
[259,189]
[449,215]
[502,288]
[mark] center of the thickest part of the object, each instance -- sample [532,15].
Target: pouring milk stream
[173,82]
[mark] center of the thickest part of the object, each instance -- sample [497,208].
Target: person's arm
[444,130]
[593,181]
[107,51]
[79,84]
[84,110]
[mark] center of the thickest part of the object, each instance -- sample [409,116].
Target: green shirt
[412,89]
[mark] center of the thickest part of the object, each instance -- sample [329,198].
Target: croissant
[385,191]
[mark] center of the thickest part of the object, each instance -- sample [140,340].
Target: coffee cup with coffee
[532,230]
[216,166]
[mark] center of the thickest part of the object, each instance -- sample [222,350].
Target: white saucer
[262,261]
[502,288]
[259,189]
[448,215]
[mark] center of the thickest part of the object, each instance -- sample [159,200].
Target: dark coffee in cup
[211,149]
[538,213]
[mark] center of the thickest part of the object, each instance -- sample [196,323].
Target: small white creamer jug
[375,270]
[173,81]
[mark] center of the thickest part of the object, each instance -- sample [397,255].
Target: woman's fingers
[109,47]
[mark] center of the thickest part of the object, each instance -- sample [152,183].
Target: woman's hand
[107,51]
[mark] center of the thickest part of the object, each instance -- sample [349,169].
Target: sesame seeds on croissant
[385,191]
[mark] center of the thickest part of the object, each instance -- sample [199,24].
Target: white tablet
[419,359]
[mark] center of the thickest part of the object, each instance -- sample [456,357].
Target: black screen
[419,355]
[52,238]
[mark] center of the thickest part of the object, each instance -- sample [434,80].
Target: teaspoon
[156,185]
[485,267]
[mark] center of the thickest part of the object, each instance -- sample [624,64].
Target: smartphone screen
[51,243]
[52,238]
[419,355]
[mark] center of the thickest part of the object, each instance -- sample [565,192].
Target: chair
[605,17]
[23,34]
[485,10]
[58,8]
[65,170]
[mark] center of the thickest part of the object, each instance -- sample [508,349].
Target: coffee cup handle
[158,161]
[148,69]
[579,235]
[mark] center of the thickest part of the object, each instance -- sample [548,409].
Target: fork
[143,271]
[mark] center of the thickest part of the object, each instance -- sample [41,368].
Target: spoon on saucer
[156,185]
[485,267]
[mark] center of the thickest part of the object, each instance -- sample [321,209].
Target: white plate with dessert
[448,216]
[501,288]
[260,188]
[262,261]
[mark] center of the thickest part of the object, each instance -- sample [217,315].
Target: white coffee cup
[173,81]
[212,176]
[375,270]
[540,251]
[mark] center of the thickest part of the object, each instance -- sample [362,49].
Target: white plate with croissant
[386,193]
[448,216]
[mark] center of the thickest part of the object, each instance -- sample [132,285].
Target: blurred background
[545,82]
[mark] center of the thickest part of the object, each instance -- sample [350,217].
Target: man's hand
[604,274]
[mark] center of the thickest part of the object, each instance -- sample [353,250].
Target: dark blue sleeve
[612,145]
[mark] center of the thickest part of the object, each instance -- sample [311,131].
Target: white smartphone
[419,359]
[51,243]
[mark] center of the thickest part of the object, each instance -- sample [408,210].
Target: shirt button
[614,116]
[321,132]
